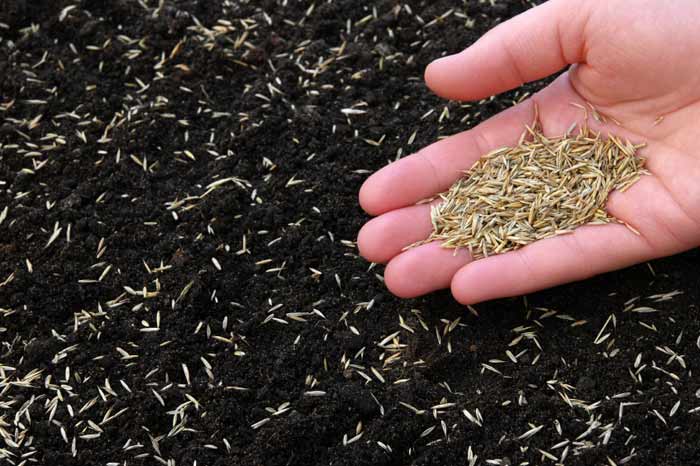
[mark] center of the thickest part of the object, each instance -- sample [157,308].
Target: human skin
[635,61]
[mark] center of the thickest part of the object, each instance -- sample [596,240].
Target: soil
[179,282]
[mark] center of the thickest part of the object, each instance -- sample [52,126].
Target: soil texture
[180,283]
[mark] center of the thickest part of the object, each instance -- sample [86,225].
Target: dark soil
[150,317]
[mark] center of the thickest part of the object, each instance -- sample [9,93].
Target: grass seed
[540,188]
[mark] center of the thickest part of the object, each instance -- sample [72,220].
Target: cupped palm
[634,61]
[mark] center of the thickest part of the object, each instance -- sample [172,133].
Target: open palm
[635,61]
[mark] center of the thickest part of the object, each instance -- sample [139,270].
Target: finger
[589,251]
[423,269]
[384,237]
[530,46]
[435,167]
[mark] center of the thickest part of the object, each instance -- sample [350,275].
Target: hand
[634,61]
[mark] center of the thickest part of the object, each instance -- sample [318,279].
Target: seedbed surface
[180,284]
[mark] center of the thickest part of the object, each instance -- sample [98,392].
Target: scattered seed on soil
[181,180]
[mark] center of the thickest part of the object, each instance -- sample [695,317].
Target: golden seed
[542,187]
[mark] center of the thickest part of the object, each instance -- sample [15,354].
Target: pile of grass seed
[541,188]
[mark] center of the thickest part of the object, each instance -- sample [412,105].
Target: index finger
[530,46]
[434,168]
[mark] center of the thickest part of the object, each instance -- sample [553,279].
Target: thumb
[528,47]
